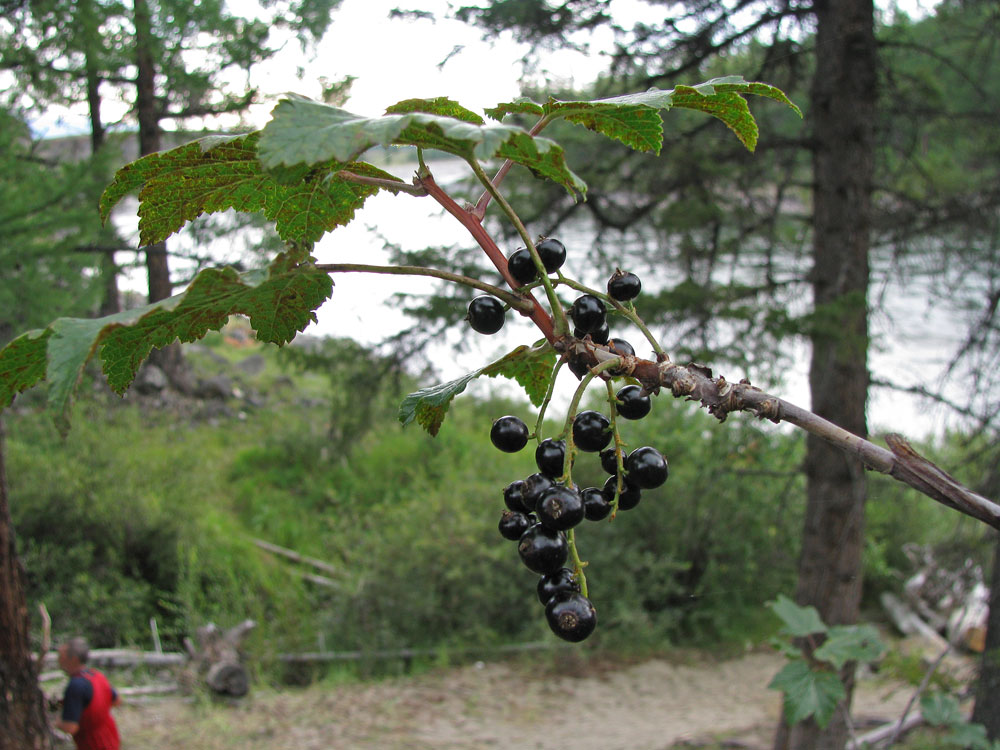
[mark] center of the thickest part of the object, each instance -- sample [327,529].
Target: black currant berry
[534,486]
[550,455]
[600,336]
[632,402]
[588,313]
[571,616]
[591,431]
[553,583]
[621,347]
[624,286]
[560,508]
[609,461]
[522,266]
[630,497]
[542,549]
[513,524]
[513,496]
[552,252]
[646,467]
[486,314]
[509,434]
[579,366]
[596,504]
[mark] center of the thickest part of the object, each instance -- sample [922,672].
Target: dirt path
[646,706]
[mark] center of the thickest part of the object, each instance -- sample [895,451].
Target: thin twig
[515,301]
[379,182]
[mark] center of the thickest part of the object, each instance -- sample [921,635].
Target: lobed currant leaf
[279,301]
[531,367]
[846,643]
[215,174]
[303,131]
[798,621]
[808,692]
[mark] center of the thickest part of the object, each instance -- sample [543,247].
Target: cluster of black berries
[541,509]
[544,506]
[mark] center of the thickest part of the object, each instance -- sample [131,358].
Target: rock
[150,379]
[216,387]
[252,365]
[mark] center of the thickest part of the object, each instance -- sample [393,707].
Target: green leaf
[846,643]
[799,621]
[216,174]
[808,692]
[971,736]
[529,366]
[303,131]
[439,106]
[522,106]
[279,301]
[633,118]
[941,710]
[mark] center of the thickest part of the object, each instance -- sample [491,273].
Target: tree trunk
[169,359]
[843,111]
[987,708]
[22,703]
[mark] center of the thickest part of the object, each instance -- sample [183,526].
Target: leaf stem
[559,316]
[380,182]
[514,300]
[547,400]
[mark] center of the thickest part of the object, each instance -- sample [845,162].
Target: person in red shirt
[87,703]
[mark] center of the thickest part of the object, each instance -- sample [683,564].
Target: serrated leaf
[280,301]
[303,131]
[529,366]
[22,364]
[522,106]
[798,621]
[216,174]
[971,736]
[808,692]
[632,119]
[940,710]
[441,105]
[846,643]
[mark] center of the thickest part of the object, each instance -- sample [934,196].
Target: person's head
[73,655]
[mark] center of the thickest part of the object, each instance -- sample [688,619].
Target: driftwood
[939,601]
[218,658]
[122,657]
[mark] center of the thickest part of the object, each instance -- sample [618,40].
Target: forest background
[148,509]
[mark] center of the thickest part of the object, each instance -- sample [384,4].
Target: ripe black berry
[621,347]
[553,583]
[534,486]
[560,508]
[509,434]
[513,524]
[486,314]
[609,461]
[600,336]
[624,286]
[590,431]
[550,455]
[630,497]
[542,549]
[552,252]
[632,402]
[522,266]
[646,467]
[588,313]
[596,504]
[571,616]
[579,366]
[513,496]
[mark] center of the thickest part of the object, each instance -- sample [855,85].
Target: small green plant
[942,710]
[811,680]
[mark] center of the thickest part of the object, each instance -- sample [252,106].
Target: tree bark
[843,111]
[22,703]
[987,708]
[170,359]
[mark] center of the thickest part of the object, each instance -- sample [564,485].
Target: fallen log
[218,659]
[121,657]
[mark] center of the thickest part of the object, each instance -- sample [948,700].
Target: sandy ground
[652,705]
